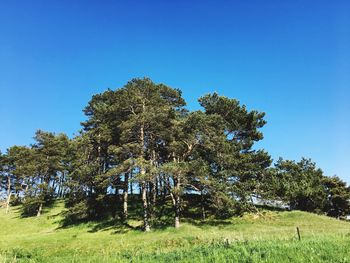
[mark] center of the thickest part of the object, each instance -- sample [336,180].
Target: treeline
[140,141]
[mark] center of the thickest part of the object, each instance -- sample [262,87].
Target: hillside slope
[268,237]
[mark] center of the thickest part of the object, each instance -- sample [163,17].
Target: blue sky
[290,59]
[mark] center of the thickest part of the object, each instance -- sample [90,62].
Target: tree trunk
[8,194]
[53,186]
[40,209]
[160,188]
[157,186]
[177,211]
[26,191]
[154,192]
[131,185]
[167,186]
[125,196]
[146,226]
[202,206]
[60,185]
[8,203]
[153,184]
[176,202]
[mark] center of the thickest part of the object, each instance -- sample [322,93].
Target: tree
[141,136]
[149,108]
[49,152]
[125,133]
[143,129]
[338,197]
[240,169]
[5,180]
[300,184]
[16,166]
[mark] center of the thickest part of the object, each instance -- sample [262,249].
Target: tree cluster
[304,187]
[139,144]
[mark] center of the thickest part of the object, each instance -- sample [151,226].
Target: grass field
[270,237]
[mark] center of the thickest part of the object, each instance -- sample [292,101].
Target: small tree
[338,197]
[300,184]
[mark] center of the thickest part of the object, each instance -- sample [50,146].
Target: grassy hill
[269,237]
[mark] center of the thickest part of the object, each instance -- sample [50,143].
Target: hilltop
[269,237]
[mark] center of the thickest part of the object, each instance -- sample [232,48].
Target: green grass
[270,237]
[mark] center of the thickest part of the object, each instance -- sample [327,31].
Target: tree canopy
[139,144]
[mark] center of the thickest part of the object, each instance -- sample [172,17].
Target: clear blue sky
[290,59]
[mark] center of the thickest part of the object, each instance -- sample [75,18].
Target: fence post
[298,232]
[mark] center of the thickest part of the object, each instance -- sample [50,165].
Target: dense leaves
[304,187]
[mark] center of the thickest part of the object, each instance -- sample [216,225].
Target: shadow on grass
[119,227]
[23,213]
[211,222]
[162,217]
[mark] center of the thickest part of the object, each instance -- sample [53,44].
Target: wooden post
[298,232]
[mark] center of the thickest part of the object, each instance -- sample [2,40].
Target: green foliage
[303,186]
[338,197]
[140,141]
